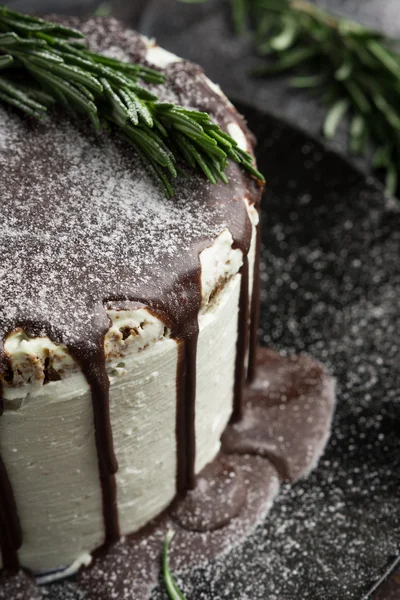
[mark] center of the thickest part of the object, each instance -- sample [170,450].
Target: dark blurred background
[203,33]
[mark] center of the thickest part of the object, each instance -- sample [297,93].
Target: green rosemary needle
[355,69]
[44,64]
[172,588]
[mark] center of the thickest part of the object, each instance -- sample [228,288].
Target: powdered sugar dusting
[107,36]
[83,222]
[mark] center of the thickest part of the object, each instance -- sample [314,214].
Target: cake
[133,396]
[128,322]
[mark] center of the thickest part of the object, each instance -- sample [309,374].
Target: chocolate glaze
[10,528]
[255,307]
[84,227]
[185,414]
[93,365]
[186,331]
[242,344]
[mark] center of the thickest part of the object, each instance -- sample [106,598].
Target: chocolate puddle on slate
[233,494]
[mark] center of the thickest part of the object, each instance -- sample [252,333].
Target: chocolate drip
[10,526]
[93,366]
[255,308]
[242,343]
[185,330]
[185,412]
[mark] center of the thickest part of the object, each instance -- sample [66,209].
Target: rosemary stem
[43,61]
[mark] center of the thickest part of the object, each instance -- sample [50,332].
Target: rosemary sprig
[48,64]
[172,588]
[356,70]
[103,10]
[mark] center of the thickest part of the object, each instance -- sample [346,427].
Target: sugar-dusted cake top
[83,223]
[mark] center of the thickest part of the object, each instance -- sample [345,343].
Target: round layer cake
[127,321]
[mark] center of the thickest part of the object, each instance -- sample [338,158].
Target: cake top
[83,224]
